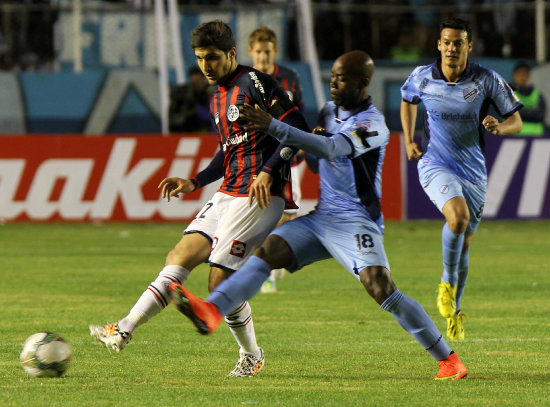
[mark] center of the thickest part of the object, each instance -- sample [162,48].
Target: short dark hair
[457,24]
[214,33]
[522,65]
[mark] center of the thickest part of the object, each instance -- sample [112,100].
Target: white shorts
[296,174]
[240,229]
[205,222]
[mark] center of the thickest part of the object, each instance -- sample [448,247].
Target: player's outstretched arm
[408,123]
[320,146]
[512,125]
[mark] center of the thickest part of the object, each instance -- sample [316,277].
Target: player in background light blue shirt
[346,224]
[456,94]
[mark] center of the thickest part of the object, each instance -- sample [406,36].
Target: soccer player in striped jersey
[347,222]
[263,47]
[254,167]
[456,95]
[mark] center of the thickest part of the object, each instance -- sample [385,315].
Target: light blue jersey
[347,223]
[453,132]
[350,161]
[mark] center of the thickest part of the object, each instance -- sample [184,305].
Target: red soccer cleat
[204,315]
[451,368]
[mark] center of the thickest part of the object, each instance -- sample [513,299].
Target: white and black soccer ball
[45,354]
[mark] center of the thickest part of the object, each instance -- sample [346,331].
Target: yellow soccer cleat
[455,327]
[446,300]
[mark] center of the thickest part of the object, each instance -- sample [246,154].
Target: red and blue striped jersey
[290,81]
[247,152]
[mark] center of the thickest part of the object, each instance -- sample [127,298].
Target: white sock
[154,299]
[277,274]
[241,326]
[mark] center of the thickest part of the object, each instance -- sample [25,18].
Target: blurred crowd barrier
[115,88]
[103,101]
[41,34]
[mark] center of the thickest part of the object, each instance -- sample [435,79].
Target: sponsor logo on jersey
[236,139]
[457,116]
[214,243]
[217,117]
[290,95]
[232,113]
[451,116]
[423,84]
[257,82]
[469,94]
[238,249]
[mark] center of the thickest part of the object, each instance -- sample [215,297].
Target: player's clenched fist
[491,124]
[413,152]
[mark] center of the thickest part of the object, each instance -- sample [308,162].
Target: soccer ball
[45,354]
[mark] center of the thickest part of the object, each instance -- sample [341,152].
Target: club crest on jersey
[469,94]
[238,249]
[286,153]
[232,113]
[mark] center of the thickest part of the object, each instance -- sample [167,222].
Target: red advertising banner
[114,178]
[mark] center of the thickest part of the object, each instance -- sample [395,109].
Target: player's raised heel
[451,368]
[446,300]
[111,336]
[204,315]
[455,327]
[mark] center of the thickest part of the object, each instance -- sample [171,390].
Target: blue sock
[414,319]
[462,277]
[452,247]
[240,286]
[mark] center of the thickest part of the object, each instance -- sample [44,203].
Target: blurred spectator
[27,34]
[406,49]
[189,109]
[426,25]
[534,105]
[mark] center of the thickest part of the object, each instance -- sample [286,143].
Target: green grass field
[327,343]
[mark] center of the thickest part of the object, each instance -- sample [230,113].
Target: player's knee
[457,214]
[216,277]
[459,223]
[275,252]
[178,257]
[378,282]
[192,250]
